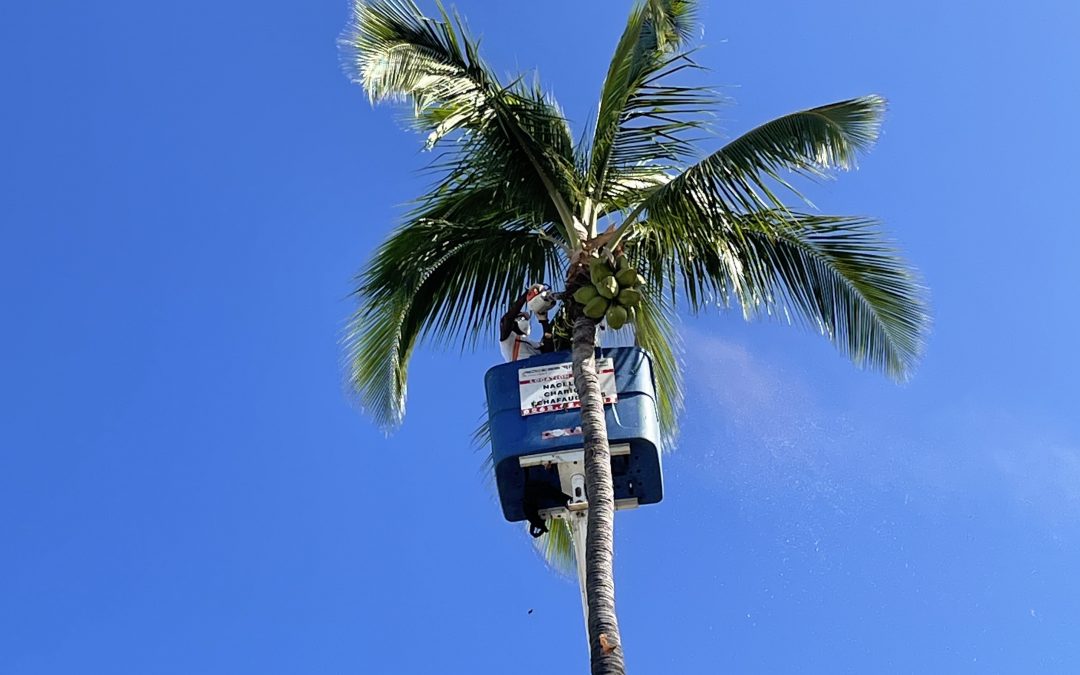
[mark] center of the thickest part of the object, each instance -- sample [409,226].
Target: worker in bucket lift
[515,326]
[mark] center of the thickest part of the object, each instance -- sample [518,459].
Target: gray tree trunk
[600,544]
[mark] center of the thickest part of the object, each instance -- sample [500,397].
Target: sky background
[186,190]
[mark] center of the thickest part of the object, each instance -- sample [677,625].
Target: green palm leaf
[514,132]
[498,157]
[843,278]
[557,546]
[643,119]
[439,279]
[735,178]
[654,331]
[837,274]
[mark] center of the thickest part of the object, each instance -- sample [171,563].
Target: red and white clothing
[517,347]
[515,326]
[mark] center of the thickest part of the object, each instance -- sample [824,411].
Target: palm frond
[837,274]
[516,132]
[654,331]
[397,54]
[735,178]
[556,546]
[501,160]
[643,118]
[437,279]
[692,260]
[843,278]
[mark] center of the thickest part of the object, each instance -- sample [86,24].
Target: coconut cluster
[613,293]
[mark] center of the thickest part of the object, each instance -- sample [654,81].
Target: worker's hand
[542,317]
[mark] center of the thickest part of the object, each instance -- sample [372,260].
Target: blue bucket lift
[536,439]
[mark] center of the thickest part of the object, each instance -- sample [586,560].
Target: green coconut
[608,288]
[629,297]
[621,263]
[599,270]
[616,317]
[584,294]
[596,308]
[627,278]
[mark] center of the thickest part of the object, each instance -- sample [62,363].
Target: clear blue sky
[187,189]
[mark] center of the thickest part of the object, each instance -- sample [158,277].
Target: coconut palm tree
[516,200]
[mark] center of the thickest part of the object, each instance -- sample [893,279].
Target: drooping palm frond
[643,119]
[515,132]
[654,331]
[693,261]
[840,275]
[837,274]
[557,546]
[438,279]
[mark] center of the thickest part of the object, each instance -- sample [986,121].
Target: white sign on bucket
[551,388]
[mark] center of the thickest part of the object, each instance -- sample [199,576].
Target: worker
[515,327]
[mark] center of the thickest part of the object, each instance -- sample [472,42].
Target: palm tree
[517,200]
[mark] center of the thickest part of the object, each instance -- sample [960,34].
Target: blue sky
[185,488]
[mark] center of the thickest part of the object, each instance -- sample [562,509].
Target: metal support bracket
[571,467]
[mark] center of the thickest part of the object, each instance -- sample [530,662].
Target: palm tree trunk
[606,655]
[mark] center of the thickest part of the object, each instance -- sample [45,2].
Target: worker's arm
[506,323]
